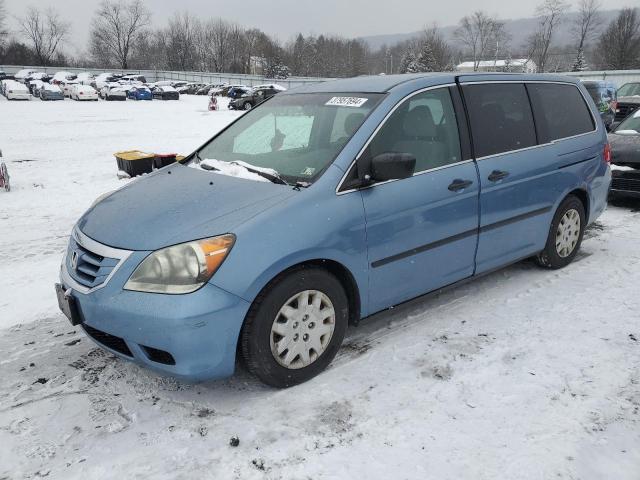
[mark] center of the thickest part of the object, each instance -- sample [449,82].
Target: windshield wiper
[271,175]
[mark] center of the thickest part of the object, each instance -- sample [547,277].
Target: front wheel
[565,234]
[247,106]
[295,327]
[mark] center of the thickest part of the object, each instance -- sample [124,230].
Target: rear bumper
[198,331]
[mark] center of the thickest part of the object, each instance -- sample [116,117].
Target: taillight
[606,154]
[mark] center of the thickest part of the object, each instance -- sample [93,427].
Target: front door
[421,231]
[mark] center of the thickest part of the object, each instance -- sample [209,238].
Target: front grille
[624,110]
[110,341]
[87,267]
[625,184]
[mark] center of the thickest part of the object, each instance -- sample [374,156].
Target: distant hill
[520,29]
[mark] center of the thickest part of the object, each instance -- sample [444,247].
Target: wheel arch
[583,196]
[341,272]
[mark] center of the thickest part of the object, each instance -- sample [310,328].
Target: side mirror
[392,166]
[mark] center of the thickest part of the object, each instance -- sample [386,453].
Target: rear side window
[560,111]
[501,118]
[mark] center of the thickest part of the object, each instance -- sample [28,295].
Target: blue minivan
[329,203]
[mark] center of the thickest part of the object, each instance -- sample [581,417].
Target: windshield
[629,89]
[297,136]
[630,126]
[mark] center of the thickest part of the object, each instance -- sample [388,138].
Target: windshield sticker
[307,172]
[346,101]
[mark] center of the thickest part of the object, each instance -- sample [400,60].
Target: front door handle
[458,184]
[497,175]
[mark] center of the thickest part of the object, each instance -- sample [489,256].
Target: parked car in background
[628,100]
[84,92]
[67,87]
[34,87]
[85,78]
[132,79]
[41,76]
[605,97]
[237,92]
[414,205]
[165,93]
[60,77]
[6,76]
[222,90]
[22,74]
[140,93]
[50,92]
[273,86]
[249,100]
[189,88]
[205,89]
[625,142]
[113,92]
[103,79]
[15,90]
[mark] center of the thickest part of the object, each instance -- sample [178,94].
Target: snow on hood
[233,169]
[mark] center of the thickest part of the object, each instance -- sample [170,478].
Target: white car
[67,87]
[85,78]
[16,91]
[274,86]
[22,74]
[113,92]
[61,77]
[84,92]
[35,86]
[103,79]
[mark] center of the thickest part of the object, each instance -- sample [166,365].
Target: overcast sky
[284,18]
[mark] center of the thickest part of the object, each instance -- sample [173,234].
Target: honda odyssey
[326,204]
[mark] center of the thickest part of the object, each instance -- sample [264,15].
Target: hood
[630,99]
[177,204]
[624,148]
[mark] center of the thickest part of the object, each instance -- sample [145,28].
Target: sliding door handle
[497,175]
[458,184]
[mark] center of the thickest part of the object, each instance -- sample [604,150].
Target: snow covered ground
[523,374]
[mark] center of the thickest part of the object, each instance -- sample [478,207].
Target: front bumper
[199,331]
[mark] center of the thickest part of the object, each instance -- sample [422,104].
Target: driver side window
[423,126]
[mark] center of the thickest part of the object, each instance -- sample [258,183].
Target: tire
[247,106]
[257,338]
[557,252]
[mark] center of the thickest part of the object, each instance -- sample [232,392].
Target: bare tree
[550,15]
[3,22]
[587,22]
[179,40]
[116,27]
[479,33]
[45,31]
[619,45]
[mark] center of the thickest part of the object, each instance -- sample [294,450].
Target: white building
[515,65]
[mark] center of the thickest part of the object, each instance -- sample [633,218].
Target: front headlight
[182,268]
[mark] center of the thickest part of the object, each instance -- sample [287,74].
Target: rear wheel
[295,327]
[247,106]
[565,234]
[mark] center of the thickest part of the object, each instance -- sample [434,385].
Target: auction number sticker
[346,101]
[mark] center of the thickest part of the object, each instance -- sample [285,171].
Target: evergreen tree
[409,63]
[580,64]
[426,60]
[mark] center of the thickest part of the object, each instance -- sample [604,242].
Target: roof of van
[384,83]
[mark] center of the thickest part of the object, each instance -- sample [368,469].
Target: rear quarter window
[560,111]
